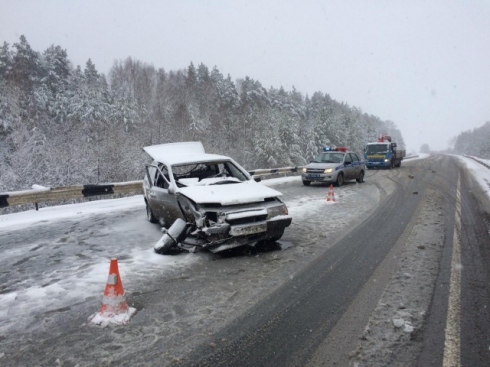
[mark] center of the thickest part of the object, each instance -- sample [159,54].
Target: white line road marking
[452,344]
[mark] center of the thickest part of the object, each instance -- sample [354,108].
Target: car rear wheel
[360,179]
[306,183]
[149,215]
[340,180]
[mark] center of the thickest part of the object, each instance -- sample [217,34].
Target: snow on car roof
[182,148]
[194,158]
[182,153]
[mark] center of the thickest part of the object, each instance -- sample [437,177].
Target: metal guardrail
[477,160]
[275,170]
[45,194]
[41,195]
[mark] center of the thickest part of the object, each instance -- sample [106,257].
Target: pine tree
[26,67]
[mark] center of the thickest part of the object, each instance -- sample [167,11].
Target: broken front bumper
[246,234]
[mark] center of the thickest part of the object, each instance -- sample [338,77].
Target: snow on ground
[479,171]
[81,275]
[53,213]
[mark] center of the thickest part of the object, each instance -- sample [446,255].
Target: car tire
[340,180]
[360,179]
[173,236]
[306,183]
[149,215]
[164,250]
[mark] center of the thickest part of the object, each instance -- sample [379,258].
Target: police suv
[334,165]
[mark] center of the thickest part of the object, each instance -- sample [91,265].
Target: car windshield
[329,157]
[193,173]
[376,148]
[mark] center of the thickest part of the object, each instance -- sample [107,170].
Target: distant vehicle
[208,200]
[383,154]
[335,166]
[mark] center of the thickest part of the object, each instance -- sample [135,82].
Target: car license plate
[313,176]
[247,230]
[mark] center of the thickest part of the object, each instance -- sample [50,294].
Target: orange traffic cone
[114,308]
[330,196]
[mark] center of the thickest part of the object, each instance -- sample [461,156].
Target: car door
[356,165]
[162,202]
[348,167]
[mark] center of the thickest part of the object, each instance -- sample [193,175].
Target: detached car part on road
[335,166]
[208,201]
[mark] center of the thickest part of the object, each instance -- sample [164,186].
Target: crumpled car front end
[220,227]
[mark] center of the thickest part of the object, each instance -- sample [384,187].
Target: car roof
[338,151]
[194,158]
[182,153]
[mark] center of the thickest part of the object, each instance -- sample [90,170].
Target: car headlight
[387,160]
[328,170]
[304,169]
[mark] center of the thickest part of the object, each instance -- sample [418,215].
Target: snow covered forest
[474,142]
[62,125]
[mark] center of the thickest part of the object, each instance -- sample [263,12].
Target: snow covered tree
[424,148]
[5,61]
[26,67]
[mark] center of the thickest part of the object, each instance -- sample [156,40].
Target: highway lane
[467,227]
[288,327]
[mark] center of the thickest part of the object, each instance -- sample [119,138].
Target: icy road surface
[58,257]
[55,262]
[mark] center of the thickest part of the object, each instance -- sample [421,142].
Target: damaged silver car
[208,201]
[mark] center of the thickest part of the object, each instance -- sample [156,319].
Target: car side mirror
[257,178]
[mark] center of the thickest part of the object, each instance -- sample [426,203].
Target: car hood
[324,165]
[229,194]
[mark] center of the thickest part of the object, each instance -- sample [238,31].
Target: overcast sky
[423,64]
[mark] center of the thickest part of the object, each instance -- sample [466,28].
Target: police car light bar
[334,149]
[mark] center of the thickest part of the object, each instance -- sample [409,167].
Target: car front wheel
[149,215]
[306,183]
[360,179]
[340,180]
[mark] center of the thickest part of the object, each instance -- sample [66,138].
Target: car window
[205,170]
[376,149]
[152,174]
[348,159]
[354,157]
[235,171]
[329,158]
[162,179]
